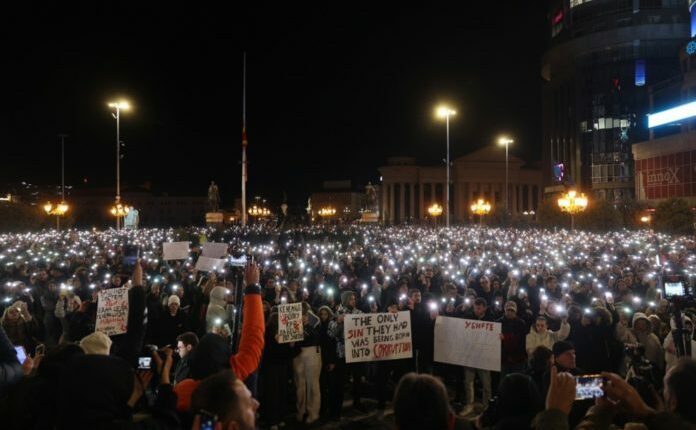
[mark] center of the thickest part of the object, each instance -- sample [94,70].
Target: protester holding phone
[19,325]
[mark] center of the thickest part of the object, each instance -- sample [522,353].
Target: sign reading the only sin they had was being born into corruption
[377,337]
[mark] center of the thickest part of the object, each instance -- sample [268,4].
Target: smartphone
[673,289]
[21,354]
[131,253]
[238,262]
[207,420]
[144,363]
[589,386]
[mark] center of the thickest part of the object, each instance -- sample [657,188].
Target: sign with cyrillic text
[290,323]
[207,264]
[377,337]
[112,311]
[469,343]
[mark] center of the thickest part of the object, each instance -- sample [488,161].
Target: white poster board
[377,337]
[469,343]
[175,250]
[214,249]
[207,264]
[112,311]
[290,323]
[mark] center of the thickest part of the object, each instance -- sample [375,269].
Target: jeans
[485,378]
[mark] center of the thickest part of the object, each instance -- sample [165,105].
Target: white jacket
[668,344]
[547,339]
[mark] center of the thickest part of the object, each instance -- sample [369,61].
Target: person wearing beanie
[171,323]
[251,344]
[563,361]
[642,330]
[513,334]
[96,343]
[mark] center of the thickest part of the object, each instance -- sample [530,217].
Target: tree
[674,216]
[549,215]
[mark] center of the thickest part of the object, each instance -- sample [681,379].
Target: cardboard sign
[377,337]
[207,264]
[112,311]
[469,343]
[175,250]
[214,249]
[290,323]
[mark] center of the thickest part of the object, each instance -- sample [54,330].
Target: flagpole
[244,146]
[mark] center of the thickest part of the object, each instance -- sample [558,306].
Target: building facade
[340,196]
[408,189]
[602,57]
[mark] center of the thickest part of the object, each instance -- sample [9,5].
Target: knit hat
[173,299]
[562,346]
[511,305]
[96,343]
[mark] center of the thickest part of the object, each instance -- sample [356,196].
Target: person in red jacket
[251,343]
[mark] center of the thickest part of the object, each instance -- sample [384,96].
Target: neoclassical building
[408,189]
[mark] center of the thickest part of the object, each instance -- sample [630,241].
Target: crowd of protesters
[569,303]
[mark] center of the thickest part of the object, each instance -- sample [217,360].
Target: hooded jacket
[668,344]
[217,308]
[653,349]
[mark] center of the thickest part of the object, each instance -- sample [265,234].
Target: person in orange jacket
[212,353]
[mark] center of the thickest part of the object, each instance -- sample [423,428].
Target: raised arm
[251,342]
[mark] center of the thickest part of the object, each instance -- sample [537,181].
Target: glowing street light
[118,106]
[58,210]
[572,203]
[481,208]
[327,211]
[119,211]
[444,112]
[506,141]
[435,210]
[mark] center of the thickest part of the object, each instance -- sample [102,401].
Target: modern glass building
[603,58]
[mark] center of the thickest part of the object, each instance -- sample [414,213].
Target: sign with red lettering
[469,343]
[112,311]
[290,327]
[377,337]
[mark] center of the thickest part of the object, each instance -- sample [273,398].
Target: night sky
[331,92]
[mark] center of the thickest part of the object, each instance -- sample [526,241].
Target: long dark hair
[421,402]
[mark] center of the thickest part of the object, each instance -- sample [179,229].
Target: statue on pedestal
[371,198]
[213,197]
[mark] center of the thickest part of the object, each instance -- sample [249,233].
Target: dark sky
[331,92]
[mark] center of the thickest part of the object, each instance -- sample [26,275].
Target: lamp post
[327,212]
[118,106]
[572,203]
[445,112]
[62,208]
[481,208]
[506,141]
[435,210]
[646,219]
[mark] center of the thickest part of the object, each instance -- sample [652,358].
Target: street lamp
[58,210]
[506,141]
[572,203]
[118,106]
[646,219]
[481,208]
[327,211]
[435,210]
[445,112]
[119,211]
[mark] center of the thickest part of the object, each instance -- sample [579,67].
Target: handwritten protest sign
[214,249]
[112,311]
[175,250]
[207,264]
[470,343]
[377,337]
[290,323]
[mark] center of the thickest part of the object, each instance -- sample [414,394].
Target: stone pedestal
[214,219]
[370,217]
